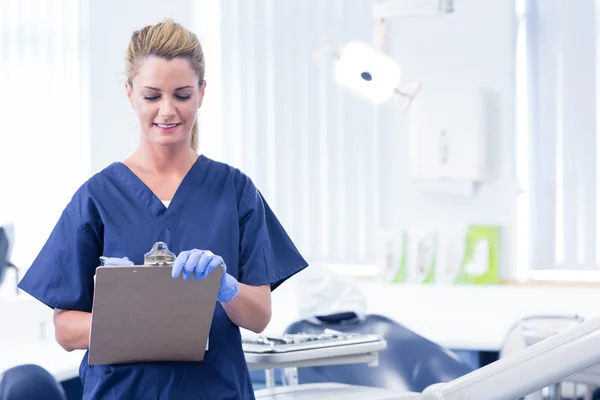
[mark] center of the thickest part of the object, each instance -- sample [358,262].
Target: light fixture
[366,69]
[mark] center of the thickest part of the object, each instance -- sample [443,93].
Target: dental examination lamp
[366,69]
[524,372]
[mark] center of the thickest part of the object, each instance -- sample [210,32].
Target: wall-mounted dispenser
[448,140]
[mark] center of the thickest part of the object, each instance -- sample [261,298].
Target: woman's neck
[177,159]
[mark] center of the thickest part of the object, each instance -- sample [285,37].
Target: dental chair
[30,382]
[536,328]
[410,363]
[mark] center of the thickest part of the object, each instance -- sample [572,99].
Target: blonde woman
[208,212]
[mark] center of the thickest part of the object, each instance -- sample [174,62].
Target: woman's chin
[174,140]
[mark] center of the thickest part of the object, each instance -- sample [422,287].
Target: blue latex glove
[201,263]
[115,261]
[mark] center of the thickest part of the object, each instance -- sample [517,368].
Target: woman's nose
[167,110]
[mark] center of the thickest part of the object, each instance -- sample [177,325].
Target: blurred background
[456,190]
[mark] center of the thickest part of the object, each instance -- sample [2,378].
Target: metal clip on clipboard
[160,255]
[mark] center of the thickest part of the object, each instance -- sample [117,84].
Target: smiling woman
[215,216]
[166,96]
[165,83]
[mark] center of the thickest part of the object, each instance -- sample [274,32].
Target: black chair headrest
[30,382]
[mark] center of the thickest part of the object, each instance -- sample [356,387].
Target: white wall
[320,154]
[42,140]
[311,148]
[472,48]
[563,134]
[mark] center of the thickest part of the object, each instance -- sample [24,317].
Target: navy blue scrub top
[115,214]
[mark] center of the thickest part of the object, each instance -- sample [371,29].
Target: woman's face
[166,97]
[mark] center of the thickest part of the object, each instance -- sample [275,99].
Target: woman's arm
[72,329]
[251,308]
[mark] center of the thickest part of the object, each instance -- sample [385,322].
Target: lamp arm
[411,8]
[528,370]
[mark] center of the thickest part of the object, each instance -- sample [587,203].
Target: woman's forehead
[164,74]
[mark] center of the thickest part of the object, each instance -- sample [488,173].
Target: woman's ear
[129,91]
[202,87]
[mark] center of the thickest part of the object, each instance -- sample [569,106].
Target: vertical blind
[43,134]
[311,148]
[561,62]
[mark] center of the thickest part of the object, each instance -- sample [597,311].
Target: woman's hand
[200,264]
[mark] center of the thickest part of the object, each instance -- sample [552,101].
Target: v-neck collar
[155,206]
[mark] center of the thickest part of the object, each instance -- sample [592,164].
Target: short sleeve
[267,254]
[62,275]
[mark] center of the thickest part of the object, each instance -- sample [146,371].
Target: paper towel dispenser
[448,138]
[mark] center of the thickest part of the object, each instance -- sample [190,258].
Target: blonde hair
[167,40]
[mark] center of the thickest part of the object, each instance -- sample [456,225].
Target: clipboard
[141,314]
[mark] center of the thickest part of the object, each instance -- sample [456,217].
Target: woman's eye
[180,97]
[151,98]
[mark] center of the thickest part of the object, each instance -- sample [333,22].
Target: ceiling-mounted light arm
[366,68]
[386,9]
[407,8]
[406,94]
[379,35]
[326,47]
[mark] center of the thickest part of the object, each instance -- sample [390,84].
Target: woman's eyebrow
[176,89]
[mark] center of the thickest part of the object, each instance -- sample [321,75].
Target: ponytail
[194,140]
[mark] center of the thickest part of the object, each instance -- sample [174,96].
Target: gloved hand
[115,261]
[201,263]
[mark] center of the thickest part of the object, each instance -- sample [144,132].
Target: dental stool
[29,382]
[409,363]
